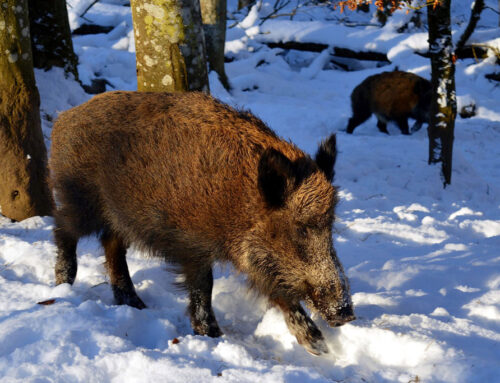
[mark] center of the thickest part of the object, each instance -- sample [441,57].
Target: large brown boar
[193,181]
[391,96]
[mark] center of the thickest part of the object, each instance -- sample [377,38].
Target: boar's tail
[326,157]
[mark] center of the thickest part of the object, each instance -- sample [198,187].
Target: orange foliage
[395,4]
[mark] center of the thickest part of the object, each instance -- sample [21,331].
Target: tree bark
[247,3]
[23,156]
[213,13]
[474,18]
[170,46]
[51,41]
[443,104]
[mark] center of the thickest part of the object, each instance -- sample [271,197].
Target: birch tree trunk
[51,41]
[170,46]
[443,104]
[213,13]
[23,157]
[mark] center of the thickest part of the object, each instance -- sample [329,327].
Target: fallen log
[467,52]
[336,51]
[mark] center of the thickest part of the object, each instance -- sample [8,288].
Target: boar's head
[292,256]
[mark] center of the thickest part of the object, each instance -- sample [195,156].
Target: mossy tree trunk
[213,13]
[170,46]
[51,42]
[443,104]
[23,157]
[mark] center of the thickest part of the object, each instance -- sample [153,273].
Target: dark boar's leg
[403,125]
[304,329]
[116,263]
[382,126]
[199,283]
[417,126]
[359,115]
[66,264]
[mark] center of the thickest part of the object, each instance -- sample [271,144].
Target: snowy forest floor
[423,261]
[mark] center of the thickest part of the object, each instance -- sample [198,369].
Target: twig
[492,9]
[88,8]
[277,7]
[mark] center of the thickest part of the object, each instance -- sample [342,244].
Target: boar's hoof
[64,278]
[316,347]
[129,299]
[212,330]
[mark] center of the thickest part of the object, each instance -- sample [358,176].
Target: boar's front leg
[403,125]
[116,263]
[382,126]
[199,282]
[303,328]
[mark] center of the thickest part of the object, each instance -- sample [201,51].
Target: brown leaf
[48,302]
[175,341]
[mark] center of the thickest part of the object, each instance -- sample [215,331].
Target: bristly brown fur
[192,180]
[391,96]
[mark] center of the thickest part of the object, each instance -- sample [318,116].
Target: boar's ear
[275,172]
[326,156]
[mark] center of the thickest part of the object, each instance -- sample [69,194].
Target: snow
[423,261]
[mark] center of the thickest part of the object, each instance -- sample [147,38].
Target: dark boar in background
[391,96]
[193,181]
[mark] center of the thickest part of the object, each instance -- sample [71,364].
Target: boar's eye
[302,231]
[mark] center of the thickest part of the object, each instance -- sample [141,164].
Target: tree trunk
[213,13]
[443,104]
[247,4]
[23,157]
[474,18]
[51,42]
[169,44]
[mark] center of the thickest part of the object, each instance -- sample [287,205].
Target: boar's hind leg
[66,263]
[123,288]
[417,126]
[303,328]
[199,283]
[359,115]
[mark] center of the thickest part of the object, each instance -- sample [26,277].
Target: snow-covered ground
[423,261]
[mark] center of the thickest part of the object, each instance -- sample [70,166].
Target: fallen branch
[493,76]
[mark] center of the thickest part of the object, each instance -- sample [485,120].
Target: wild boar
[391,96]
[193,181]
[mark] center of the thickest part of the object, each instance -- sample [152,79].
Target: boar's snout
[336,312]
[342,316]
[333,302]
